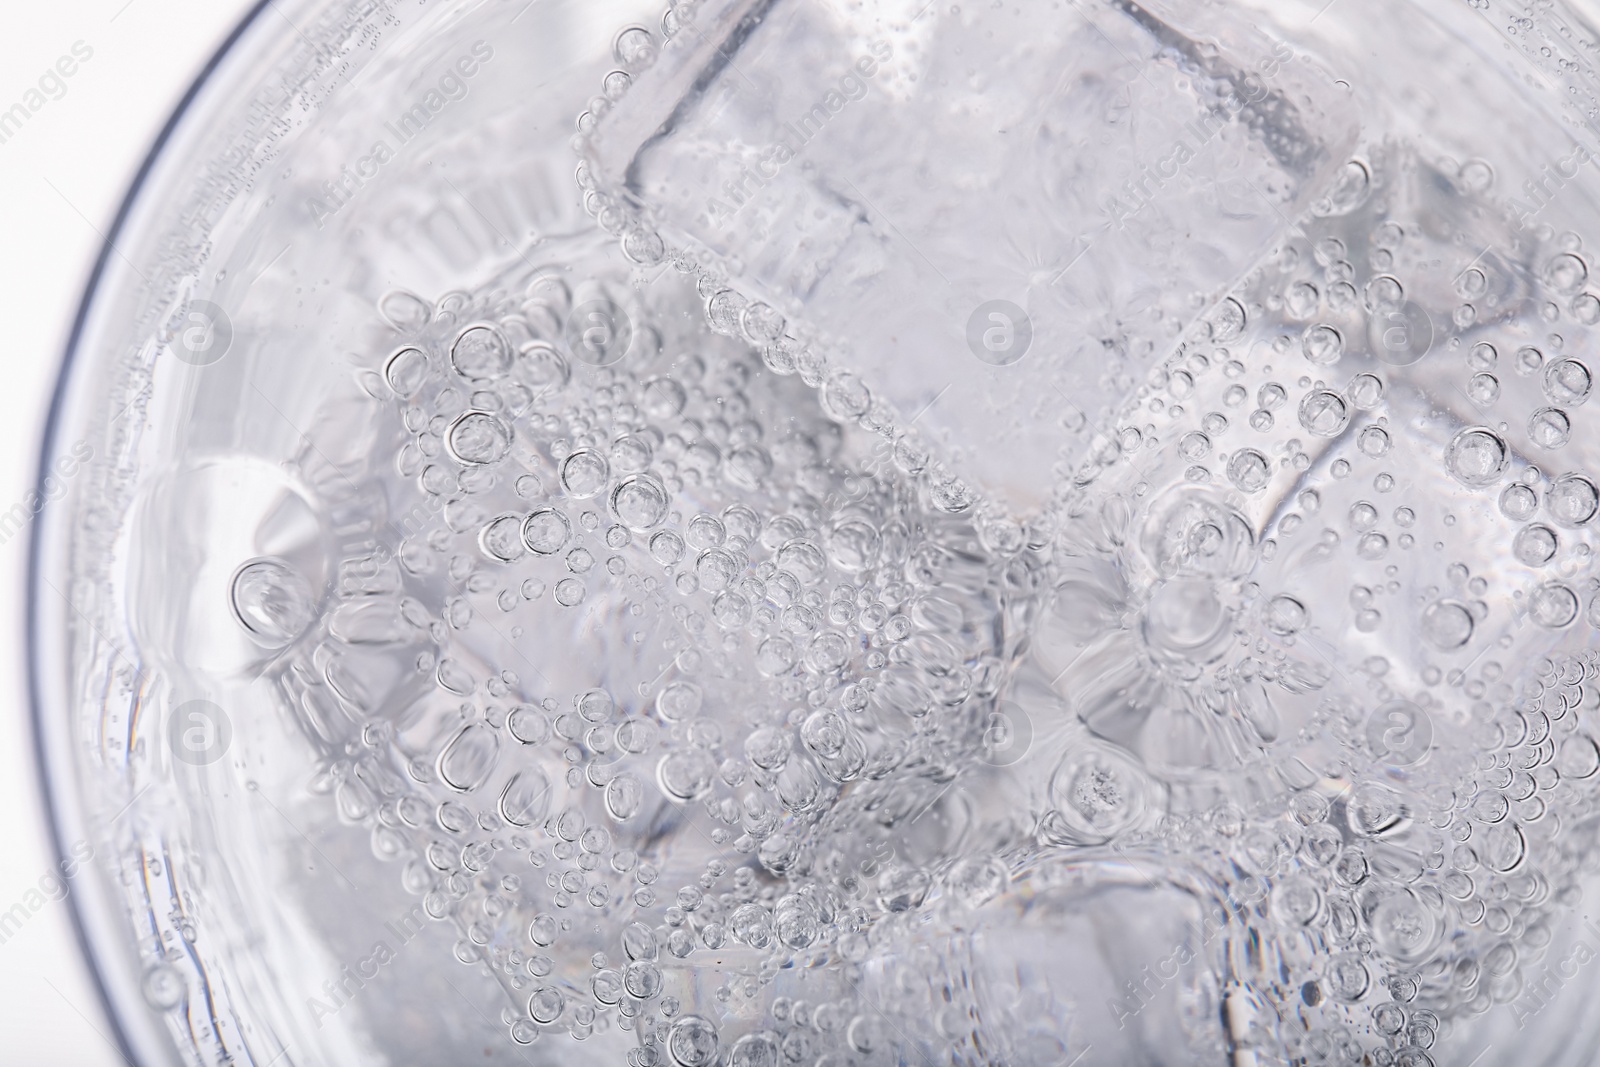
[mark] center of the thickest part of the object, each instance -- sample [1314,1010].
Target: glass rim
[60,825]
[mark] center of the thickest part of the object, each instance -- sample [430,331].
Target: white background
[62,178]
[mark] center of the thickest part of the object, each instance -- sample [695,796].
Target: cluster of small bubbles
[687,507]
[1418,884]
[693,691]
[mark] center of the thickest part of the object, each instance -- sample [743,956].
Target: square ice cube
[999,216]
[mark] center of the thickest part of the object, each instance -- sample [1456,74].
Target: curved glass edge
[62,804]
[57,776]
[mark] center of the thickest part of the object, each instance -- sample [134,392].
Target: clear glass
[797,531]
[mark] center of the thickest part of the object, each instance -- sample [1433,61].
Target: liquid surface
[720,722]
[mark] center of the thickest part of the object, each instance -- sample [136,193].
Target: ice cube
[999,218]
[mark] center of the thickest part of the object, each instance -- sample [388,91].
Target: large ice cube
[998,215]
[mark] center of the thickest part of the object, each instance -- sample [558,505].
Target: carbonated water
[1208,679]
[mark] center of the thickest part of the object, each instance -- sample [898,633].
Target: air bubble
[1350,190]
[663,397]
[1098,794]
[525,801]
[543,367]
[1483,390]
[666,548]
[1518,502]
[1578,758]
[1566,273]
[1553,606]
[479,438]
[1403,927]
[1322,344]
[1229,321]
[501,539]
[1189,533]
[716,569]
[1365,391]
[624,795]
[1476,457]
[1374,441]
[635,48]
[1534,545]
[1324,413]
[1301,300]
[528,725]
[546,531]
[1347,977]
[1286,616]
[163,987]
[406,371]
[469,758]
[1502,847]
[273,601]
[1567,382]
[640,502]
[1572,500]
[481,353]
[546,1005]
[760,1049]
[685,774]
[1447,625]
[1549,428]
[1249,470]
[631,454]
[642,245]
[585,473]
[1385,293]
